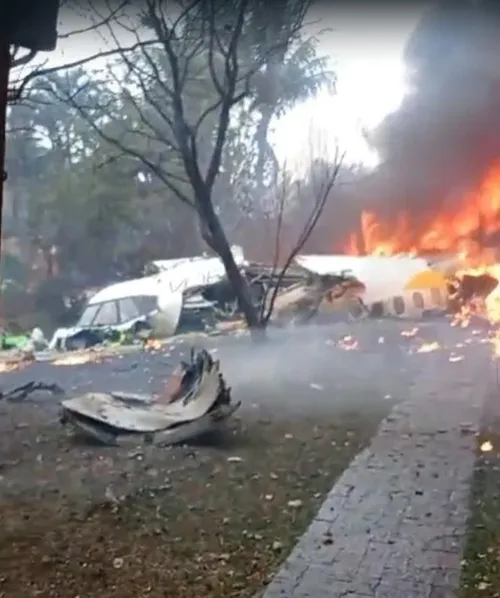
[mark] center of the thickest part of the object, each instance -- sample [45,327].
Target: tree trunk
[220,245]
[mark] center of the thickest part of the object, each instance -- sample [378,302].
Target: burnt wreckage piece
[195,401]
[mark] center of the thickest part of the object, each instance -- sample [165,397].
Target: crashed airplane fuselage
[405,286]
[197,288]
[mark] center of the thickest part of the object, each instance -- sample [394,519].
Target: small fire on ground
[80,358]
[467,230]
[11,366]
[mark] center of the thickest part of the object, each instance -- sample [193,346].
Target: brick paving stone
[394,523]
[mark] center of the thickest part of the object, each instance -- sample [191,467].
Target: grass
[211,521]
[481,563]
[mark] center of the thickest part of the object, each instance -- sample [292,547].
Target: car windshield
[87,316]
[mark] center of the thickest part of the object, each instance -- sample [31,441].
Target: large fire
[459,227]
[463,228]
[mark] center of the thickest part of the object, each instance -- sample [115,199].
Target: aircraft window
[128,310]
[377,309]
[418,300]
[88,315]
[398,305]
[437,297]
[107,315]
[356,310]
[146,304]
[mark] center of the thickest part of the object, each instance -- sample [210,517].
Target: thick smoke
[447,131]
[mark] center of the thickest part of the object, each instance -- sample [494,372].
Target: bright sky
[365,48]
[366,51]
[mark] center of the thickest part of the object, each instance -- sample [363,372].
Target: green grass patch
[481,562]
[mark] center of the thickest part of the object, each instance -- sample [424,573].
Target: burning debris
[486,447]
[410,333]
[469,292]
[435,193]
[428,348]
[79,358]
[319,288]
[196,399]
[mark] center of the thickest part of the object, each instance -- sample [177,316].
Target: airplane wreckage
[193,294]
[196,399]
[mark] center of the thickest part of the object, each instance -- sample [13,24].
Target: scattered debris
[348,343]
[409,333]
[317,295]
[79,358]
[22,392]
[467,289]
[428,347]
[197,401]
[486,447]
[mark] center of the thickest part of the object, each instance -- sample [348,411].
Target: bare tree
[309,196]
[179,129]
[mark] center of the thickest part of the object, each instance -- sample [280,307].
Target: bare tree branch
[16,93]
[96,24]
[321,192]
[16,61]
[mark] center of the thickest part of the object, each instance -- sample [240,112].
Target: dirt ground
[198,521]
[215,519]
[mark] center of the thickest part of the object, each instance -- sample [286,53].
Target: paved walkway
[393,525]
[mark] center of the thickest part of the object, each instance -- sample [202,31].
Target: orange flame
[455,228]
[461,228]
